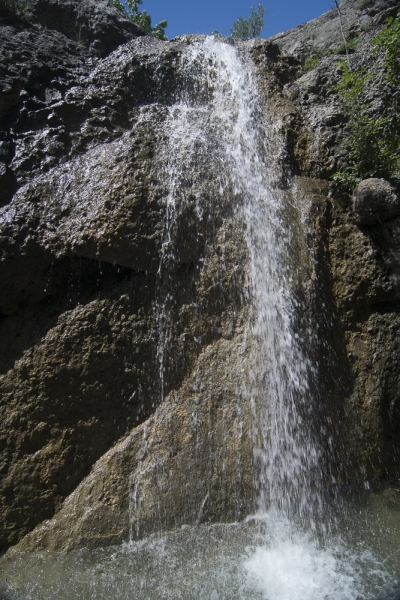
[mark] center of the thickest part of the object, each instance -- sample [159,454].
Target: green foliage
[118,5]
[12,8]
[341,48]
[345,181]
[389,40]
[360,4]
[142,19]
[311,63]
[313,60]
[158,31]
[351,87]
[372,143]
[245,29]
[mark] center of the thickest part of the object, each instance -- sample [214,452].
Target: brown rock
[121,370]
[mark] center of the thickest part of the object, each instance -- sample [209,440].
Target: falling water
[219,117]
[283,552]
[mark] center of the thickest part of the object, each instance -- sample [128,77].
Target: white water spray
[220,115]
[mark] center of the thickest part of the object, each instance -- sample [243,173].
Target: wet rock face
[68,413]
[44,55]
[82,232]
[119,357]
[365,272]
[358,239]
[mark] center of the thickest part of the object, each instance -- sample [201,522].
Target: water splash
[218,561]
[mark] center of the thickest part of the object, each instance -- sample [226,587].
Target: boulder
[375,201]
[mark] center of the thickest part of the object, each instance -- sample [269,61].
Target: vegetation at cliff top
[360,4]
[373,143]
[389,40]
[245,29]
[12,8]
[311,62]
[141,19]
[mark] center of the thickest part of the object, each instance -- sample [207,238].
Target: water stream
[292,548]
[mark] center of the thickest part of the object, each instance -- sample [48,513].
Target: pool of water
[265,558]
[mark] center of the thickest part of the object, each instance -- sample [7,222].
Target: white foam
[292,570]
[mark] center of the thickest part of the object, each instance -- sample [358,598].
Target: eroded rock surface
[125,339]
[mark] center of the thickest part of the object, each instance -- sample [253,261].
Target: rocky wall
[138,438]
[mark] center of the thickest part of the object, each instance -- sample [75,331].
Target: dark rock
[42,57]
[8,184]
[375,201]
[95,25]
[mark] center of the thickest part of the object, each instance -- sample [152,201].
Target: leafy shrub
[245,29]
[311,63]
[12,8]
[341,48]
[142,19]
[372,143]
[345,181]
[388,40]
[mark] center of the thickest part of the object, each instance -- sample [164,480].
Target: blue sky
[188,16]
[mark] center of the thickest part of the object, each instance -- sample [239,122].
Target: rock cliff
[120,367]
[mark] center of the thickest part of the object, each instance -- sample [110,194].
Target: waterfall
[219,113]
[288,548]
